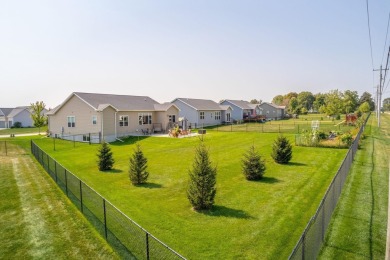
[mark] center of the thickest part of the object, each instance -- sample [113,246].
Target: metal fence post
[303,245]
[323,221]
[55,169]
[66,183]
[147,246]
[81,198]
[105,218]
[48,163]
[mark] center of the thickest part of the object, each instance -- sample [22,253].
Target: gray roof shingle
[5,111]
[201,104]
[120,102]
[240,103]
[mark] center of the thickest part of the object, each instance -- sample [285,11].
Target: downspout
[101,125]
[116,135]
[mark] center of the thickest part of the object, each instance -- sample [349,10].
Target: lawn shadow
[129,140]
[269,180]
[149,185]
[222,211]
[113,171]
[295,164]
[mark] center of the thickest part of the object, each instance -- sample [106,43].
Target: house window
[123,120]
[94,120]
[217,115]
[172,118]
[144,118]
[86,138]
[71,121]
[227,117]
[201,115]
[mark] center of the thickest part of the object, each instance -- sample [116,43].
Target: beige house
[96,117]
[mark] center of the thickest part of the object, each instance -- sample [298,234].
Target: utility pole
[379,92]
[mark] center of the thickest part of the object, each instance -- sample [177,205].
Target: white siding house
[106,116]
[202,112]
[272,111]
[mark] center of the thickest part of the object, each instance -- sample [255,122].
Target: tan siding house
[96,117]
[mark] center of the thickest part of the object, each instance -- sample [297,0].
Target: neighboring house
[94,117]
[242,109]
[203,112]
[272,111]
[9,116]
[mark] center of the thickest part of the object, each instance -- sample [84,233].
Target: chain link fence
[129,239]
[288,127]
[310,242]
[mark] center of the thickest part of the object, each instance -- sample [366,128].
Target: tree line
[333,103]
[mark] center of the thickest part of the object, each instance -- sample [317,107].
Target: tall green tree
[350,101]
[253,167]
[366,97]
[319,101]
[278,100]
[386,104]
[292,107]
[365,107]
[201,188]
[334,103]
[138,173]
[37,115]
[281,150]
[305,100]
[105,159]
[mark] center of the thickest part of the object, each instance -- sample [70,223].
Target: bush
[105,161]
[322,135]
[252,166]
[281,150]
[347,139]
[338,117]
[17,125]
[138,166]
[201,189]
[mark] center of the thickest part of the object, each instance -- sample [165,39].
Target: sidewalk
[16,135]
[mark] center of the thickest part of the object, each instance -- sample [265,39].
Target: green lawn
[37,220]
[25,130]
[359,225]
[292,126]
[251,220]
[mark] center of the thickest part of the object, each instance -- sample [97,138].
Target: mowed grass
[24,130]
[250,220]
[304,122]
[37,220]
[358,228]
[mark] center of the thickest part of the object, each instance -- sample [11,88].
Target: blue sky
[201,49]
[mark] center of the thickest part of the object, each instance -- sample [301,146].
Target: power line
[387,31]
[369,33]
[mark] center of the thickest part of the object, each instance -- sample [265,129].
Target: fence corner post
[147,246]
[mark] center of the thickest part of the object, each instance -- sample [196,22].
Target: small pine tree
[281,150]
[253,167]
[201,189]
[105,161]
[138,166]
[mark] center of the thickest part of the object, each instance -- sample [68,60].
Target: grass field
[37,220]
[25,130]
[250,220]
[358,228]
[292,126]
